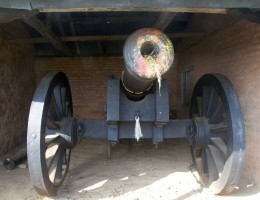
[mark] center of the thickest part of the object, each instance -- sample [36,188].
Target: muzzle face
[148,53]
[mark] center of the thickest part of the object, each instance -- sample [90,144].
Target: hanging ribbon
[138,131]
[159,77]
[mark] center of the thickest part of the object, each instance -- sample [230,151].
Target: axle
[76,129]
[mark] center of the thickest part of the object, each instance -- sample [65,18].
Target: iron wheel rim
[48,168]
[219,155]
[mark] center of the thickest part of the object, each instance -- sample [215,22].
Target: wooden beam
[126,5]
[72,28]
[111,20]
[139,9]
[202,6]
[47,34]
[114,20]
[99,38]
[164,20]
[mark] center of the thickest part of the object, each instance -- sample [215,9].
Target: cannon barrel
[148,54]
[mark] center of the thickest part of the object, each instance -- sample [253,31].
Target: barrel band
[130,91]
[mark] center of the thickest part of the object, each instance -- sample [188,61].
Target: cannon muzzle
[148,54]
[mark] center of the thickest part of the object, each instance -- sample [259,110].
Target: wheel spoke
[218,135]
[53,110]
[220,144]
[217,116]
[204,163]
[63,99]
[67,109]
[222,128]
[59,167]
[199,105]
[57,98]
[212,102]
[51,124]
[205,99]
[52,153]
[218,158]
[212,170]
[54,165]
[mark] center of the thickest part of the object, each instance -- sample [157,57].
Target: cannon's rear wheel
[217,139]
[48,151]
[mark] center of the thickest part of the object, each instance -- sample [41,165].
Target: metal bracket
[112,134]
[79,128]
[158,133]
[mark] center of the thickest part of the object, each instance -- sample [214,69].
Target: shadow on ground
[143,173]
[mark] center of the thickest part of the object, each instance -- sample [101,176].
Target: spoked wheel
[51,133]
[217,138]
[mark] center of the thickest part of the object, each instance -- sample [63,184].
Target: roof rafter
[100,38]
[164,20]
[35,23]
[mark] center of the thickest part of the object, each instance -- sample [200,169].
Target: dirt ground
[141,174]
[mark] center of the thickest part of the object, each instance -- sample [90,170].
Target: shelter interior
[87,44]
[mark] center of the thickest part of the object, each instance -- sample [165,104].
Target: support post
[113,99]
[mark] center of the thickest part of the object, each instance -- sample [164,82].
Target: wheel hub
[69,132]
[198,135]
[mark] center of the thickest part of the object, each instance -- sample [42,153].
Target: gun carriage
[138,107]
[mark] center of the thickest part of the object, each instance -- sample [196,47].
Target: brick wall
[234,52]
[87,77]
[16,87]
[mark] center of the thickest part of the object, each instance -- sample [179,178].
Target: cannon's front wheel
[50,133]
[217,138]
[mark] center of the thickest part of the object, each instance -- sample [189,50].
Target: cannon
[138,107]
[148,54]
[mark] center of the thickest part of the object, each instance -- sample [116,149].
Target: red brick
[87,78]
